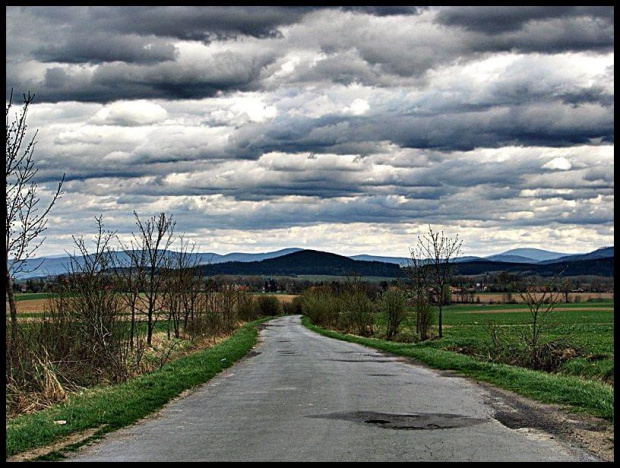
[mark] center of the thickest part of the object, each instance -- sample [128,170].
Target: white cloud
[558,164]
[129,114]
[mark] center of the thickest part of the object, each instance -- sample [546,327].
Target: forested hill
[305,262]
[598,267]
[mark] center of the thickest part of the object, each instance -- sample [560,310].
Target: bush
[321,307]
[425,317]
[294,307]
[247,308]
[269,306]
[392,304]
[357,313]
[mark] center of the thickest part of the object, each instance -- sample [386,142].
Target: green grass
[579,394]
[591,331]
[30,296]
[110,408]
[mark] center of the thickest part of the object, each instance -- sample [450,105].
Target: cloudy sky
[341,129]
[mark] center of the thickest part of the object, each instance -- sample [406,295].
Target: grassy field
[594,397]
[589,327]
[32,296]
[106,409]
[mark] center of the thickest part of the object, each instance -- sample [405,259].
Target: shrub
[392,304]
[247,308]
[357,311]
[321,307]
[294,307]
[424,316]
[269,305]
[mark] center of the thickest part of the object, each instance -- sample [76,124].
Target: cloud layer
[265,127]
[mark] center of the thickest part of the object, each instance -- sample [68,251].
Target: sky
[348,129]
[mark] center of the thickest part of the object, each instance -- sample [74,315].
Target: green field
[31,296]
[589,327]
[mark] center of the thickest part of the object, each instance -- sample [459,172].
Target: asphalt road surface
[306,397]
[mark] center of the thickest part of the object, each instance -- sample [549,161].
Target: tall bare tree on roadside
[180,294]
[26,217]
[155,236]
[130,269]
[432,260]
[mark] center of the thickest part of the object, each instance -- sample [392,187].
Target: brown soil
[593,434]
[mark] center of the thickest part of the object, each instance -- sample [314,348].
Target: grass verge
[116,406]
[581,395]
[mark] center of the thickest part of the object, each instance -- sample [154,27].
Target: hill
[305,262]
[510,258]
[604,252]
[538,255]
[597,267]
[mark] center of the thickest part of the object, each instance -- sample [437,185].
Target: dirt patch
[58,446]
[593,434]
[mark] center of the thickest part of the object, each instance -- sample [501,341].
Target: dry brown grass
[283,298]
[500,297]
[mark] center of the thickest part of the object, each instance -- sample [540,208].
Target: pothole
[366,360]
[413,422]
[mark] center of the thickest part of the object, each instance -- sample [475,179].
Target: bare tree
[432,260]
[26,219]
[130,270]
[94,305]
[181,290]
[155,236]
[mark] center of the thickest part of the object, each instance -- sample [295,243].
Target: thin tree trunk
[133,325]
[12,306]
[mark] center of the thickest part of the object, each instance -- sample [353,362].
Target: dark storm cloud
[103,47]
[501,19]
[551,124]
[182,22]
[378,46]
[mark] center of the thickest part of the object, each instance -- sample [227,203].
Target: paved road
[306,397]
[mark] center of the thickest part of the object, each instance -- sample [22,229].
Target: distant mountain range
[299,261]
